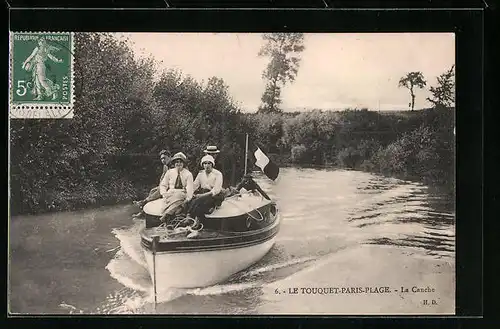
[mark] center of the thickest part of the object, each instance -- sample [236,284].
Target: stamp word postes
[41,75]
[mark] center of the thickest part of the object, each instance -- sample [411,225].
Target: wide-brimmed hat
[207,158]
[179,156]
[211,149]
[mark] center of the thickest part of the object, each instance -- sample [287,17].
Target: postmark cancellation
[41,80]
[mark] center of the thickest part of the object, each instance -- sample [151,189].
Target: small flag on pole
[269,168]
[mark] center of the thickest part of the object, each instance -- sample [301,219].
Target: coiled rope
[174,228]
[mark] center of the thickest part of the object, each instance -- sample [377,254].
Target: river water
[340,228]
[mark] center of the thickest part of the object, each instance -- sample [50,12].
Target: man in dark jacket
[154,193]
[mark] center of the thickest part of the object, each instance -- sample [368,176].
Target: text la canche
[418,289]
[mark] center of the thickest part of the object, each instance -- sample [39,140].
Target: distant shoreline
[82,202]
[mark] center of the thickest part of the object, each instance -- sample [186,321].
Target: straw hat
[211,149]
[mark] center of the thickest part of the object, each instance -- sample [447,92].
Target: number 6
[20,85]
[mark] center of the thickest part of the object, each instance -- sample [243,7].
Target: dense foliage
[411,144]
[123,117]
[126,111]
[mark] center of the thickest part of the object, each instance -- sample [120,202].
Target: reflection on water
[91,261]
[407,203]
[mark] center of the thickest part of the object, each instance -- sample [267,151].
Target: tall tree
[284,50]
[410,81]
[443,95]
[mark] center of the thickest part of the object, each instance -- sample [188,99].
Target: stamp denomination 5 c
[41,75]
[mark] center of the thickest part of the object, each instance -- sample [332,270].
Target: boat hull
[234,237]
[203,268]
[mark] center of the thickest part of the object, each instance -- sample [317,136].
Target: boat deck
[207,239]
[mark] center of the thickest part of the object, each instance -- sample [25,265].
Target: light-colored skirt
[173,201]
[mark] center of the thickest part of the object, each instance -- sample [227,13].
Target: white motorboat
[234,236]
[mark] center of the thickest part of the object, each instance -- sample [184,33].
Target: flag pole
[155,241]
[246,153]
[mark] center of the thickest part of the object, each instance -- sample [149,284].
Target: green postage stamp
[41,80]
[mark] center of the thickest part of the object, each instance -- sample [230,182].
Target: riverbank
[125,192]
[121,192]
[447,186]
[369,280]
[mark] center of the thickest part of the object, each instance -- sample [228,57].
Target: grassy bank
[81,198]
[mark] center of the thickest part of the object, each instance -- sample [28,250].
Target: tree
[283,50]
[410,81]
[443,95]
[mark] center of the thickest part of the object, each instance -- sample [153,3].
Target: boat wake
[129,273]
[128,267]
[273,267]
[129,242]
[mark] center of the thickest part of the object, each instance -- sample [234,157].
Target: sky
[337,70]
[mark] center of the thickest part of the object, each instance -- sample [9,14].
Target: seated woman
[208,189]
[176,187]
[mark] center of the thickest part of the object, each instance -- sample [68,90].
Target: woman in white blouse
[176,187]
[207,187]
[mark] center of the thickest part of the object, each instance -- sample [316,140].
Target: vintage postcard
[232,173]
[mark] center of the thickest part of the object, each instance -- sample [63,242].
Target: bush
[349,157]
[422,154]
[298,154]
[367,165]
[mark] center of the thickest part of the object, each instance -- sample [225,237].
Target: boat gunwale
[215,247]
[230,234]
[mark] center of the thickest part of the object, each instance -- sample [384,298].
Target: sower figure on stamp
[35,63]
[208,189]
[154,193]
[176,187]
